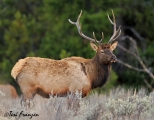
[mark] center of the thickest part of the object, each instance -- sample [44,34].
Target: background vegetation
[41,28]
[119,104]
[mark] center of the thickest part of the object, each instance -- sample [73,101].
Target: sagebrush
[119,104]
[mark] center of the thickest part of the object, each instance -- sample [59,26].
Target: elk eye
[102,51]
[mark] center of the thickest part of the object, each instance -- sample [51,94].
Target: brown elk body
[45,76]
[9,90]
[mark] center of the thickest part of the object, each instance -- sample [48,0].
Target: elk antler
[78,25]
[115,32]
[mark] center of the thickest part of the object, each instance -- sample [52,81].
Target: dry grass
[119,104]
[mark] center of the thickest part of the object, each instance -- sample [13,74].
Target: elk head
[104,52]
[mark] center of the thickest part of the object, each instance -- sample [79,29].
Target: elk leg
[28,95]
[73,102]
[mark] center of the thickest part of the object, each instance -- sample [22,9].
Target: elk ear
[93,46]
[114,45]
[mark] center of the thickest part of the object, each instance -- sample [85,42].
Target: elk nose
[113,59]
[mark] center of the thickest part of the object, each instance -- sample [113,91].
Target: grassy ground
[119,104]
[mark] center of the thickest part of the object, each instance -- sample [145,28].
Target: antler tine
[96,39]
[115,32]
[117,35]
[78,25]
[102,35]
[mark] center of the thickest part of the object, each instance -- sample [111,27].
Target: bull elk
[42,75]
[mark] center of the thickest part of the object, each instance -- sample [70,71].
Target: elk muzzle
[113,58]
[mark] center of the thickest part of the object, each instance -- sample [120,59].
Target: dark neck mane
[99,73]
